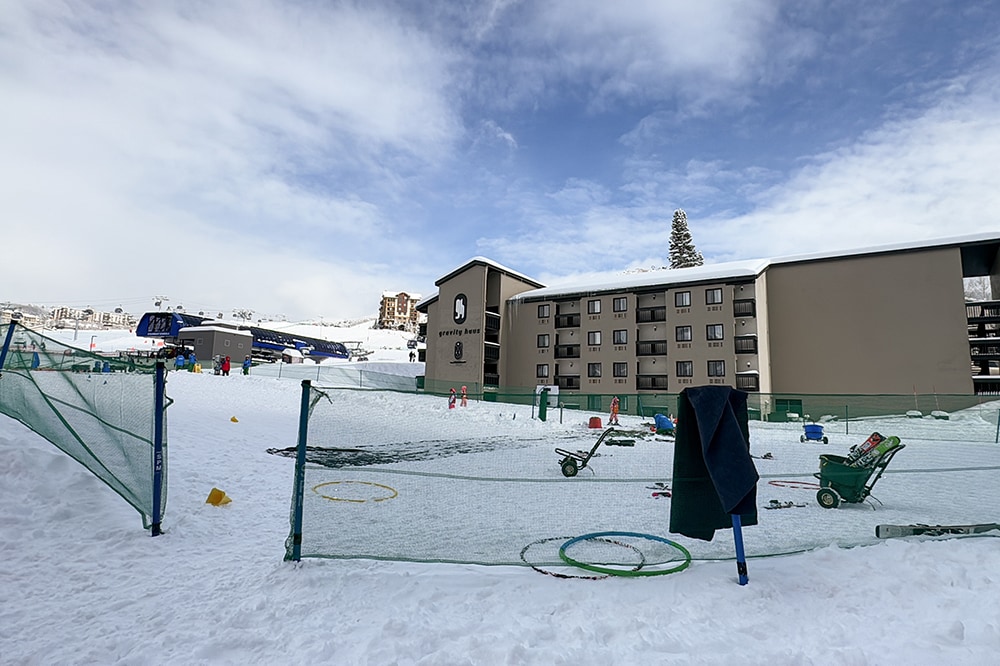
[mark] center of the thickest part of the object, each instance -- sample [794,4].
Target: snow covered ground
[82,583]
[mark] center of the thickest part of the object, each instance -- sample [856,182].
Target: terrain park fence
[373,485]
[107,413]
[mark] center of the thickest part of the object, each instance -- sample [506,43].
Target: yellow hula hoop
[393,492]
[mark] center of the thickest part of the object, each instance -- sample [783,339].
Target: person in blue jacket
[246,365]
[180,361]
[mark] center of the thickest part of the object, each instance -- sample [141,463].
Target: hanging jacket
[714,475]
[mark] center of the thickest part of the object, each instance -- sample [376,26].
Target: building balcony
[651,382]
[567,351]
[492,322]
[491,352]
[568,382]
[983,312]
[567,321]
[649,315]
[745,344]
[651,348]
[748,381]
[745,307]
[491,379]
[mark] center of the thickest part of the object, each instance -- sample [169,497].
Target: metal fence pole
[159,395]
[300,473]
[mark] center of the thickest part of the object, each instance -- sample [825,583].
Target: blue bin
[813,433]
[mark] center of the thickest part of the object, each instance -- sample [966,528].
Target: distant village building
[398,312]
[89,318]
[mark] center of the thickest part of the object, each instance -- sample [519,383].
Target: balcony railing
[982,311]
[492,322]
[568,321]
[745,344]
[490,379]
[568,382]
[747,381]
[491,352]
[647,382]
[647,315]
[745,307]
[567,351]
[651,348]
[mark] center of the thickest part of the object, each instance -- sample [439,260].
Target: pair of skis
[890,531]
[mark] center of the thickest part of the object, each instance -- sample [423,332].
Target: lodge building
[883,320]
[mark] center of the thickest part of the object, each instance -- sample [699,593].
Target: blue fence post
[741,559]
[300,472]
[159,395]
[996,438]
[6,344]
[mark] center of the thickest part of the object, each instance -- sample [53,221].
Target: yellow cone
[234,420]
[218,498]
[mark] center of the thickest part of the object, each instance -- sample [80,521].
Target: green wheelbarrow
[842,479]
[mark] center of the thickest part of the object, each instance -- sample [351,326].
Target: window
[593,307]
[682,299]
[685,368]
[682,334]
[543,311]
[620,337]
[543,340]
[593,369]
[619,304]
[716,368]
[542,370]
[594,338]
[714,332]
[620,369]
[713,296]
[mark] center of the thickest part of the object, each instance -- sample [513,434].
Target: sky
[83,583]
[360,147]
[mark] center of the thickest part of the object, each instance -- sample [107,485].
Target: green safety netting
[98,409]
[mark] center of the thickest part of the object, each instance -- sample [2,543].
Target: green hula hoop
[624,572]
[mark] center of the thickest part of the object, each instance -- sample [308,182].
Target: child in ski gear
[179,362]
[613,418]
[225,366]
[451,399]
[246,365]
[465,397]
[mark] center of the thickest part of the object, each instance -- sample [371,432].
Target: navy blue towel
[714,475]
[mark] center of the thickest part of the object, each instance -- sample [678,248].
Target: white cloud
[198,139]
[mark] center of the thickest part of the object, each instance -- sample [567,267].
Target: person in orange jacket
[613,418]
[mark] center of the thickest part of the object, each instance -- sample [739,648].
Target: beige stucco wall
[443,332]
[891,323]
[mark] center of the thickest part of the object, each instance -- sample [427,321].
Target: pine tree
[682,251]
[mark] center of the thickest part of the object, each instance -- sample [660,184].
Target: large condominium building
[890,320]
[398,311]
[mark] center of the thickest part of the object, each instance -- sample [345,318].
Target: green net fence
[99,410]
[400,476]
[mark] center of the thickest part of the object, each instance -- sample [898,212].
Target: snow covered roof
[748,269]
[483,261]
[619,282]
[394,294]
[217,327]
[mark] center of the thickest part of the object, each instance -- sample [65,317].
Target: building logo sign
[461,308]
[458,351]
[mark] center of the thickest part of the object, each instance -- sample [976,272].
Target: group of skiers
[220,364]
[453,397]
